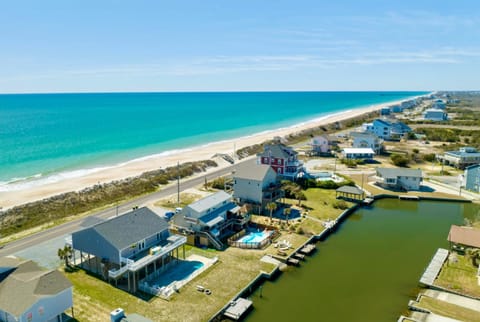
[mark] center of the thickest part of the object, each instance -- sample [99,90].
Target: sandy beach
[133,168]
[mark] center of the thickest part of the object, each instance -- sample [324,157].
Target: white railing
[132,265]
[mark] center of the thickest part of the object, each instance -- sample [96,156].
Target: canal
[368,269]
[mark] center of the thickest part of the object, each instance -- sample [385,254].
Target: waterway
[368,269]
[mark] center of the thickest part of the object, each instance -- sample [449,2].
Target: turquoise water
[254,237]
[46,134]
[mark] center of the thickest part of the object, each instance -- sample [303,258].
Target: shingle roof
[397,172]
[210,201]
[350,189]
[252,171]
[27,284]
[467,236]
[278,151]
[131,227]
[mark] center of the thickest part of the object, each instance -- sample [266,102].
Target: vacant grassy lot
[449,310]
[171,201]
[460,276]
[94,299]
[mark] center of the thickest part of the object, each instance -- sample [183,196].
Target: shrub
[430,157]
[399,160]
[340,204]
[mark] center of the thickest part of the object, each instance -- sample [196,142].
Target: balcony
[174,242]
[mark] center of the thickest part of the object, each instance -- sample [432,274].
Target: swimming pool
[255,237]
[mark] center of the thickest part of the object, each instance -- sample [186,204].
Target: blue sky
[244,45]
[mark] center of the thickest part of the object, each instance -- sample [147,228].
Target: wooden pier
[293,261]
[307,249]
[299,256]
[237,308]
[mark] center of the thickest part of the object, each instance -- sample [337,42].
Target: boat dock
[299,256]
[368,201]
[433,269]
[407,197]
[308,249]
[293,261]
[237,308]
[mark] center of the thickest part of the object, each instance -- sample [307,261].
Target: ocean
[48,137]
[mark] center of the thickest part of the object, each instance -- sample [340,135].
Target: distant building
[385,111]
[472,178]
[210,220]
[461,159]
[439,104]
[358,153]
[366,140]
[398,178]
[282,159]
[434,114]
[387,130]
[408,104]
[30,293]
[397,108]
[256,185]
[121,248]
[321,145]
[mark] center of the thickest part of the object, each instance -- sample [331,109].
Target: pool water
[254,237]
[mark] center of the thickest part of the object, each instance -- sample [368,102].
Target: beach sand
[9,199]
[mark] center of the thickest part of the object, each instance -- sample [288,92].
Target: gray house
[210,220]
[256,185]
[462,158]
[472,178]
[29,293]
[127,247]
[397,178]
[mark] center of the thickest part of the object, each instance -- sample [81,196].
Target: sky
[238,45]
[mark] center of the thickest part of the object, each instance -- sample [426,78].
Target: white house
[320,144]
[399,178]
[462,158]
[29,293]
[366,140]
[358,153]
[435,114]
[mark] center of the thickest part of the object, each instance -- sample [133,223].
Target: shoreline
[55,184]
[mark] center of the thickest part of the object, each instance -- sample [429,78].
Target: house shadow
[294,214]
[426,189]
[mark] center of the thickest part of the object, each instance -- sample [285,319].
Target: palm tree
[474,254]
[298,193]
[65,254]
[286,212]
[271,206]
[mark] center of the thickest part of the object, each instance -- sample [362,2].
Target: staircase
[216,243]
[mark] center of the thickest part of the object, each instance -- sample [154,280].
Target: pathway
[455,299]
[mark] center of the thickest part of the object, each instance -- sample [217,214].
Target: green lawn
[460,276]
[320,203]
[449,310]
[94,299]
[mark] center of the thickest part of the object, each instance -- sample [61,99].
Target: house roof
[27,284]
[472,167]
[467,236]
[363,135]
[256,172]
[350,189]
[397,172]
[278,151]
[358,150]
[126,229]
[209,201]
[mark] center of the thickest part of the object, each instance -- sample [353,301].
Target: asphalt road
[69,227]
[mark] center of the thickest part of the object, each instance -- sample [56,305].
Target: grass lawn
[171,201]
[320,203]
[94,299]
[460,276]
[449,310]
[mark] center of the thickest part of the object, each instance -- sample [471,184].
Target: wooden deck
[237,308]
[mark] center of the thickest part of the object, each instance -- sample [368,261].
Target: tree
[271,206]
[65,254]
[474,255]
[286,212]
[299,195]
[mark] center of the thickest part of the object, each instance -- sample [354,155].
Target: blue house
[386,129]
[472,178]
[127,248]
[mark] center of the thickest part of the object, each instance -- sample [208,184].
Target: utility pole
[335,164]
[178,184]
